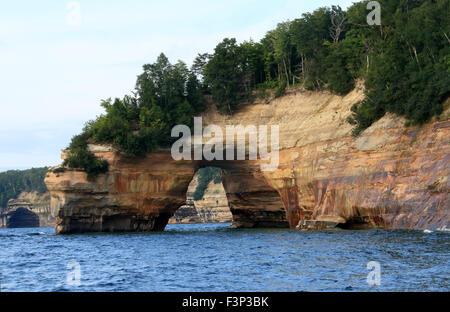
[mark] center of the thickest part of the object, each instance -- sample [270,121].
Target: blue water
[215,257]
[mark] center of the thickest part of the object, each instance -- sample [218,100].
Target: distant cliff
[14,182]
[29,209]
[390,176]
[24,200]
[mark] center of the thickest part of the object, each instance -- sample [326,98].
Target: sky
[59,59]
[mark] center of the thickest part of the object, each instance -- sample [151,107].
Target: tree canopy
[404,62]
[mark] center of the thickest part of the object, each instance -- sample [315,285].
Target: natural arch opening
[22,218]
[206,200]
[230,191]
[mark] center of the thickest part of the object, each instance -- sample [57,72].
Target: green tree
[224,75]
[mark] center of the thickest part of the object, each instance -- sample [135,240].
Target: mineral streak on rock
[390,176]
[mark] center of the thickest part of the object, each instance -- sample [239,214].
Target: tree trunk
[285,70]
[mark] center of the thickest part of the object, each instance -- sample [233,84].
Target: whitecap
[427,231]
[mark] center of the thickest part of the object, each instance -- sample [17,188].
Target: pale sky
[55,68]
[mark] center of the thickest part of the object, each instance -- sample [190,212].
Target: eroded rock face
[252,200]
[398,181]
[213,207]
[390,176]
[19,216]
[142,194]
[135,195]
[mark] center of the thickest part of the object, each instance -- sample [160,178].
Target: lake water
[215,257]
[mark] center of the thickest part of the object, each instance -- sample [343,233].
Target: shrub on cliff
[78,156]
[281,89]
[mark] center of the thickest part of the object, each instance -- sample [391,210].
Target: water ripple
[214,257]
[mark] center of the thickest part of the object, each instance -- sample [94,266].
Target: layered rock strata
[391,176]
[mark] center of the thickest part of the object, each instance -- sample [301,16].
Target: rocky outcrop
[212,208]
[390,176]
[135,194]
[29,209]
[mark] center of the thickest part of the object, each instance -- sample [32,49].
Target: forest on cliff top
[14,182]
[404,63]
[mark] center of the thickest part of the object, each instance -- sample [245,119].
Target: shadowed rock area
[22,218]
[19,215]
[30,209]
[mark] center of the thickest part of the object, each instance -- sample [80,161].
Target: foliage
[205,176]
[281,89]
[409,72]
[224,74]
[404,62]
[78,156]
[166,95]
[14,182]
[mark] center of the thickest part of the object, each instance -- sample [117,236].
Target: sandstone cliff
[390,176]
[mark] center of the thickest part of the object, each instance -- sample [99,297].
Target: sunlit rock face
[390,176]
[142,194]
[135,194]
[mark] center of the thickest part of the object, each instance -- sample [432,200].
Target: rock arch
[252,201]
[142,194]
